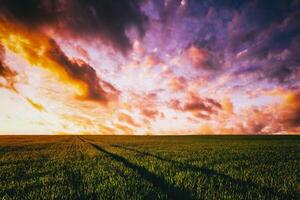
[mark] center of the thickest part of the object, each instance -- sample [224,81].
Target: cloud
[283,116]
[239,39]
[200,107]
[112,93]
[269,44]
[146,104]
[124,129]
[78,70]
[8,75]
[128,119]
[275,64]
[152,60]
[177,84]
[227,105]
[241,34]
[203,59]
[35,105]
[103,19]
[2,52]
[9,80]
[42,51]
[175,104]
[286,64]
[151,113]
[291,109]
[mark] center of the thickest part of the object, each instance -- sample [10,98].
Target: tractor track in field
[209,172]
[171,191]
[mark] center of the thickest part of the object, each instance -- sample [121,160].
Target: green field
[149,167]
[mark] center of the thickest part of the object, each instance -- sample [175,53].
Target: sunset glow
[149,67]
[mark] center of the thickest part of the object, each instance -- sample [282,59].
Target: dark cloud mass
[32,13]
[268,33]
[105,19]
[19,19]
[80,71]
[259,33]
[203,108]
[6,73]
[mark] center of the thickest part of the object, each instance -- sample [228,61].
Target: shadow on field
[74,178]
[171,191]
[244,185]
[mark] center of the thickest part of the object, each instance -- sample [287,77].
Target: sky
[149,67]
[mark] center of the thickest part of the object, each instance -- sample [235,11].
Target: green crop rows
[145,167]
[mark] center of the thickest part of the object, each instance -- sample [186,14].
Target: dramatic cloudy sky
[149,67]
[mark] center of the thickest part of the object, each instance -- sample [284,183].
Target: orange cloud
[6,73]
[125,129]
[288,111]
[151,113]
[83,52]
[40,50]
[175,104]
[178,83]
[202,59]
[198,56]
[35,105]
[200,107]
[227,105]
[291,109]
[279,117]
[152,60]
[128,119]
[147,105]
